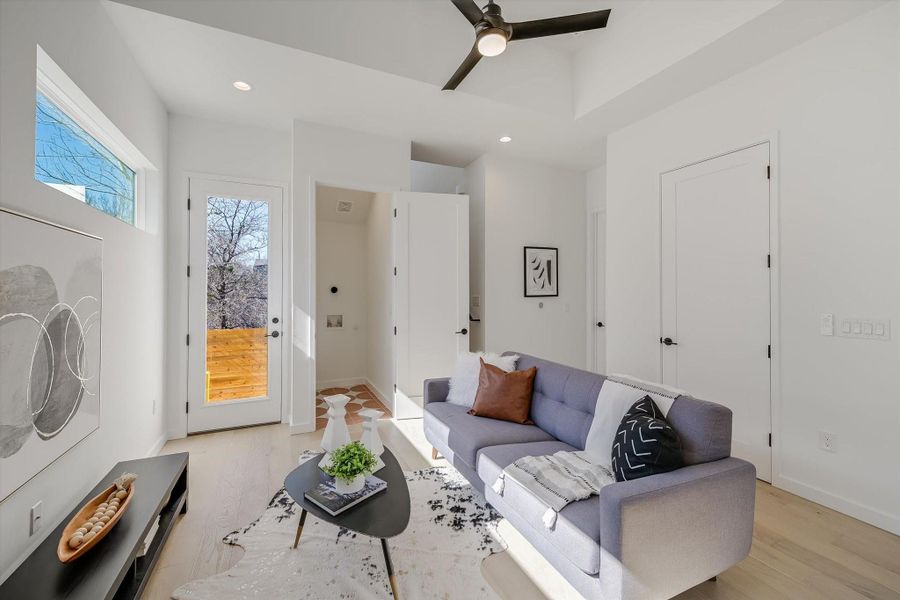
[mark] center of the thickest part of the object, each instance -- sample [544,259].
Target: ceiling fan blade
[467,65]
[559,25]
[469,10]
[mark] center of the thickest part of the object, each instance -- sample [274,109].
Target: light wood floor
[801,551]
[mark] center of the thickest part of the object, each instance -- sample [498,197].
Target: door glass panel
[237,304]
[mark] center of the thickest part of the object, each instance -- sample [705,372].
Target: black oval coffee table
[384,515]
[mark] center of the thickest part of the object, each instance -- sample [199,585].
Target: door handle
[274,334]
[599,323]
[463,331]
[667,341]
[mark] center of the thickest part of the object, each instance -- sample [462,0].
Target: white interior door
[235,309]
[431,291]
[716,292]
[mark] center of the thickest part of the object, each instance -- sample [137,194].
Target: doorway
[354,336]
[391,295]
[716,321]
[234,304]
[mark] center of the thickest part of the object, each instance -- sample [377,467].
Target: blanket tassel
[549,518]
[500,484]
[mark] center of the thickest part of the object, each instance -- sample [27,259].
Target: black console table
[111,570]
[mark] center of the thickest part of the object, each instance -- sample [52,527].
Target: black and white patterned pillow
[645,444]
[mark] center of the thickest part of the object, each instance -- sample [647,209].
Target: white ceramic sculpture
[370,437]
[336,432]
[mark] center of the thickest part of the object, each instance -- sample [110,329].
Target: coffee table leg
[390,568]
[300,526]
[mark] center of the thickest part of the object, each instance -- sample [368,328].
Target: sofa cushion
[465,434]
[704,428]
[577,531]
[564,399]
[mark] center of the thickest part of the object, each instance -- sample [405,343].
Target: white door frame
[774,282]
[286,285]
[595,218]
[346,184]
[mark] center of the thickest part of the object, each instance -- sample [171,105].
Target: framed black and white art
[541,271]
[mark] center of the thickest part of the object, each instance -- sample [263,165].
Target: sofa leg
[714,578]
[434,453]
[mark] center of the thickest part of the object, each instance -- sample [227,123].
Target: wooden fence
[236,364]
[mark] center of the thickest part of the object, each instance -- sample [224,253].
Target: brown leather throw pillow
[502,395]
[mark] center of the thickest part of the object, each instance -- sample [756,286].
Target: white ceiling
[327,199]
[378,66]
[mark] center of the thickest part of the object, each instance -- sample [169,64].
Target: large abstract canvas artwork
[50,299]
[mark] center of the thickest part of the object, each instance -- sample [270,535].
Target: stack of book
[328,499]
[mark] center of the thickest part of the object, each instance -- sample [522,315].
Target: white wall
[437,179]
[380,281]
[342,158]
[201,146]
[530,204]
[341,250]
[81,39]
[833,102]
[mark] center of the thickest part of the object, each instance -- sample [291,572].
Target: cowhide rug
[451,530]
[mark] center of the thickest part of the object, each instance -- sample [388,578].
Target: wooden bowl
[67,554]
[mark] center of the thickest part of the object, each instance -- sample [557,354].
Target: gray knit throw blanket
[556,480]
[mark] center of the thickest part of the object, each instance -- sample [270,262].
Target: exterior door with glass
[234,306]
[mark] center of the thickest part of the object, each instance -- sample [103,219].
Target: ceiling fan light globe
[491,42]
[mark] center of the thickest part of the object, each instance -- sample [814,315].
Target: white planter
[342,487]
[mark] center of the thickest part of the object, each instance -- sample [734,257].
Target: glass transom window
[68,158]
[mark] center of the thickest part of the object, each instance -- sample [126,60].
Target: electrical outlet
[827,441]
[35,520]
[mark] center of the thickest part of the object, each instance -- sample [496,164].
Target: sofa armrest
[436,390]
[664,534]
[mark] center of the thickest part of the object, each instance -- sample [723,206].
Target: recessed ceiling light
[505,139]
[242,86]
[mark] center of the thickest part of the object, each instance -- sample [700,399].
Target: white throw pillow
[464,381]
[615,398]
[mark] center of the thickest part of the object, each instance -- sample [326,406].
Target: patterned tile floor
[360,397]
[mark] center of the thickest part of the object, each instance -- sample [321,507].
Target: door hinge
[768,261]
[770,440]
[395,213]
[395,330]
[395,387]
[189,203]
[768,171]
[187,407]
[395,271]
[189,270]
[769,351]
[187,340]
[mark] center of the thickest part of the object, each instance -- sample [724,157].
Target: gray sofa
[646,539]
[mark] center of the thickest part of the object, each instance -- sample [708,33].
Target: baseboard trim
[158,446]
[301,428]
[843,505]
[345,382]
[379,394]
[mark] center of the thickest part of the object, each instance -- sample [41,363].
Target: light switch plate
[865,328]
[826,324]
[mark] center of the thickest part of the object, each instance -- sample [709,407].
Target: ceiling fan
[492,32]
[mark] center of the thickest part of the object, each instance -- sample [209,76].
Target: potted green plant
[349,466]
